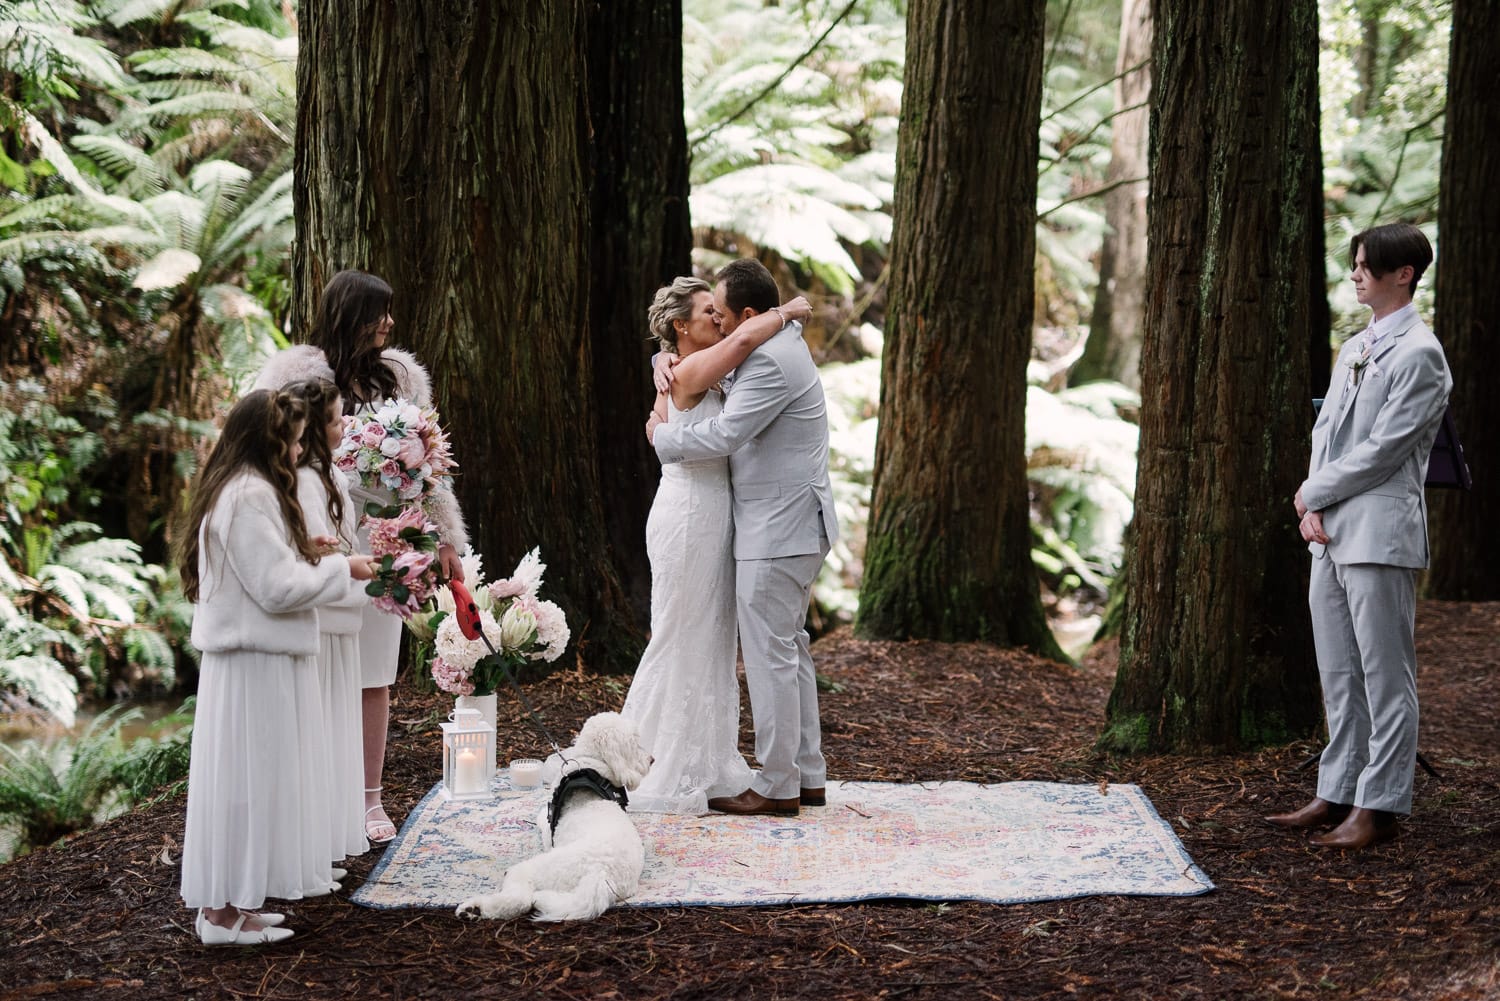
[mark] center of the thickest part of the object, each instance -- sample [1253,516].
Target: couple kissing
[741,523]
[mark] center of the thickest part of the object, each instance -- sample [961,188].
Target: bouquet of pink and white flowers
[407,575]
[520,625]
[399,446]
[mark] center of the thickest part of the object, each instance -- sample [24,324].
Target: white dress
[257,820]
[685,698]
[339,677]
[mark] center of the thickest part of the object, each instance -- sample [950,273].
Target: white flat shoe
[339,874]
[212,934]
[270,919]
[322,891]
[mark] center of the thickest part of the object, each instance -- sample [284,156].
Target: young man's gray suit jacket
[1370,446]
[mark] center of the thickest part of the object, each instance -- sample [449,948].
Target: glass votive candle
[525,773]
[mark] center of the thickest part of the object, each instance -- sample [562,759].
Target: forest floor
[99,915]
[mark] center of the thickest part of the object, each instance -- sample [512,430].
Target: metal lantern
[468,755]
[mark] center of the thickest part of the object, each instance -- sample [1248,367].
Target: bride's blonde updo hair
[672,302]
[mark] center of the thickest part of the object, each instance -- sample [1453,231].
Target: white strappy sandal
[378,823]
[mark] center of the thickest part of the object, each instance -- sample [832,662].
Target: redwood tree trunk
[949,546]
[1217,649]
[1113,350]
[641,238]
[442,146]
[1465,528]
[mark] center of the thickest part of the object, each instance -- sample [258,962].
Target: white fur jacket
[344,616]
[255,592]
[304,361]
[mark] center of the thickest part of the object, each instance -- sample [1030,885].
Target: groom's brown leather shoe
[1363,829]
[751,803]
[1318,813]
[814,797]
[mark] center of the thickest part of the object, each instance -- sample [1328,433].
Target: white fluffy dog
[594,857]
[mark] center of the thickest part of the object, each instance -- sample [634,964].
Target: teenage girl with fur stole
[257,578]
[348,347]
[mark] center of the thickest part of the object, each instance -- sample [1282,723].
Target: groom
[774,428]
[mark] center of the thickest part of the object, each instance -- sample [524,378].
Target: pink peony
[501,590]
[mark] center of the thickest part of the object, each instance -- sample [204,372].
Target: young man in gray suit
[774,428]
[1364,516]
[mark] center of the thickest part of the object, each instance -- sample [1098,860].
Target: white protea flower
[517,629]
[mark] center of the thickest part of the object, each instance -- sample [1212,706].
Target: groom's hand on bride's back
[651,425]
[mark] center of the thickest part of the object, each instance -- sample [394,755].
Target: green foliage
[1081,463]
[160,758]
[1080,460]
[793,157]
[1383,76]
[51,789]
[73,602]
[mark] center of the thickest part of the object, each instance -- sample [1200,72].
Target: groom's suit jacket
[774,428]
[1370,445]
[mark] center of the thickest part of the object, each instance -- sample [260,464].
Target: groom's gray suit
[774,428]
[1369,461]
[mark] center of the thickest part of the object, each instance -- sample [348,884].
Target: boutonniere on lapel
[1358,366]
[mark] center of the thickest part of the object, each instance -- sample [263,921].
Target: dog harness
[584,778]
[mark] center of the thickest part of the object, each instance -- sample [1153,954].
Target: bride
[685,697]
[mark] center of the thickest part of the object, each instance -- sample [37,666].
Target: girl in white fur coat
[347,346]
[257,577]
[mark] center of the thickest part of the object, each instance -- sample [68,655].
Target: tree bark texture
[1465,529]
[442,146]
[1113,350]
[948,556]
[641,238]
[1216,650]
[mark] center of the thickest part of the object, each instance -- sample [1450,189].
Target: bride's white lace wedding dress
[685,698]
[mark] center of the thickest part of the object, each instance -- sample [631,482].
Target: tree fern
[52,789]
[159,759]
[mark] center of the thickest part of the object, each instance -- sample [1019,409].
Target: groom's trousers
[773,596]
[1364,616]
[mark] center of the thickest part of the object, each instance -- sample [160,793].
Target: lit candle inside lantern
[468,771]
[525,773]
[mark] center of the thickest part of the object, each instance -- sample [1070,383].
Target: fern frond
[220,184]
[44,680]
[168,269]
[180,217]
[122,12]
[120,158]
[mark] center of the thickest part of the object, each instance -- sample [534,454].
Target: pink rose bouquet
[408,573]
[399,447]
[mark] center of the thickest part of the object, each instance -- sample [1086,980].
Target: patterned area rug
[1004,844]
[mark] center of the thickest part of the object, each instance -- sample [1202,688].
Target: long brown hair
[353,304]
[320,395]
[257,438]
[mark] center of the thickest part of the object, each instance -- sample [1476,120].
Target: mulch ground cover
[99,916]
